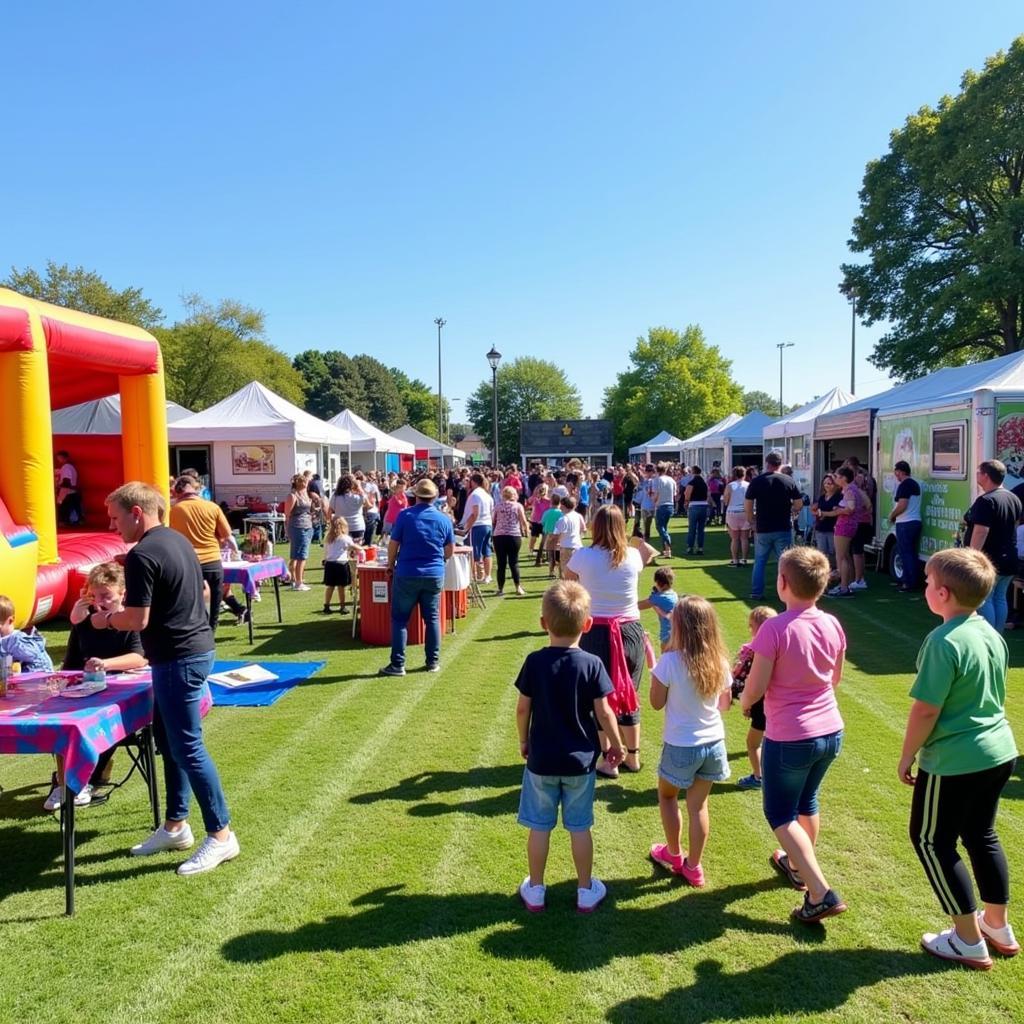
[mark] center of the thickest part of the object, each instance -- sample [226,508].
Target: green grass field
[380,859]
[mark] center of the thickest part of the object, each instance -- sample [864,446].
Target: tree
[387,410]
[420,403]
[759,400]
[84,290]
[677,382]
[332,382]
[217,349]
[528,389]
[942,223]
[459,431]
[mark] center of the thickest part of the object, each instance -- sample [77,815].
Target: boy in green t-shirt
[958,731]
[549,540]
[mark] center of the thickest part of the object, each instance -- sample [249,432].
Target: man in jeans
[777,500]
[664,506]
[421,541]
[164,603]
[906,518]
[992,529]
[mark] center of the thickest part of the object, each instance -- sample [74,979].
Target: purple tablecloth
[249,574]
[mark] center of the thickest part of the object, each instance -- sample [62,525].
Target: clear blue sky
[551,178]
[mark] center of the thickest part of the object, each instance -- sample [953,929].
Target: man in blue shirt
[422,540]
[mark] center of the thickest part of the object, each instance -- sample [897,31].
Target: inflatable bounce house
[52,358]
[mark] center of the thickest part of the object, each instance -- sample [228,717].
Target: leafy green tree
[757,400]
[333,382]
[84,290]
[459,431]
[387,410]
[219,348]
[420,403]
[676,382]
[528,389]
[942,225]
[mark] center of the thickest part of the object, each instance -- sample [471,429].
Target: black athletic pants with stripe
[946,808]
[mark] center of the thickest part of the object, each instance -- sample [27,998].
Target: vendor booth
[372,448]
[663,447]
[740,443]
[253,442]
[427,450]
[693,447]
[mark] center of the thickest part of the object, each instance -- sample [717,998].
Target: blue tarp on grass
[260,695]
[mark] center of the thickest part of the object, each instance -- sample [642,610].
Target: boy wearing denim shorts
[562,696]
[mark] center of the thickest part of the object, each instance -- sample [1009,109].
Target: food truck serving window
[948,457]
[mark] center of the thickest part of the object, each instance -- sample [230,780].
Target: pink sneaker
[672,861]
[695,876]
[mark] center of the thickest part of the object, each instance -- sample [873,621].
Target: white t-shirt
[558,492]
[665,493]
[613,592]
[372,493]
[67,475]
[480,500]
[337,550]
[570,530]
[737,495]
[690,720]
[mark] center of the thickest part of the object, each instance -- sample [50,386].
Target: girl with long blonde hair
[692,683]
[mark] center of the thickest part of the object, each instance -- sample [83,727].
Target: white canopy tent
[693,447]
[661,446]
[255,441]
[434,449]
[102,416]
[368,438]
[738,443]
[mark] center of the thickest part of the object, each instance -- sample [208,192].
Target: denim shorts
[541,795]
[480,538]
[791,773]
[679,766]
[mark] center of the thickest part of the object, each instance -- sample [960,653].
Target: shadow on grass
[388,916]
[520,635]
[795,984]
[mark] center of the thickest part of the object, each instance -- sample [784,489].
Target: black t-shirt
[827,524]
[698,489]
[461,494]
[773,495]
[88,642]
[533,482]
[163,574]
[562,684]
[999,510]
[628,490]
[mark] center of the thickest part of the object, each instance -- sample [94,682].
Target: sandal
[780,862]
[623,767]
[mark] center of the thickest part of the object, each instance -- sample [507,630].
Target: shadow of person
[418,787]
[797,983]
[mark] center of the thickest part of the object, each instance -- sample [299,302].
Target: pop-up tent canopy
[693,447]
[739,443]
[103,416]
[661,446]
[427,447]
[792,435]
[385,451]
[259,440]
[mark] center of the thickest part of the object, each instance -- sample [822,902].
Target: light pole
[494,357]
[850,291]
[780,346]
[440,321]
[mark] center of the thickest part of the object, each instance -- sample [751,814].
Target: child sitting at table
[256,546]
[25,646]
[337,571]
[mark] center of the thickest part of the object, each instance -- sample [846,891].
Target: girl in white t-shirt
[692,683]
[337,571]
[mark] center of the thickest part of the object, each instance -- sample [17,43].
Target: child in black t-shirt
[94,650]
[561,691]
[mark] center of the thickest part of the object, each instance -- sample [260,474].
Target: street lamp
[780,346]
[850,291]
[494,357]
[440,321]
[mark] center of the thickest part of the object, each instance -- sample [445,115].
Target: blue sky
[552,179]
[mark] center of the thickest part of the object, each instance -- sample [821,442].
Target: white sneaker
[587,900]
[532,896]
[53,801]
[84,798]
[160,839]
[859,585]
[305,586]
[487,579]
[211,852]
[948,945]
[1002,940]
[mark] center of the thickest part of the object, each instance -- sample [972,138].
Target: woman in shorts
[736,521]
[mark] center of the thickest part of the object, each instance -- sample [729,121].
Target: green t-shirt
[961,668]
[548,520]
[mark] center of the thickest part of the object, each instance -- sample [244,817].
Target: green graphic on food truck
[1010,440]
[936,446]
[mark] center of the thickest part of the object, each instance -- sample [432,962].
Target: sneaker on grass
[53,801]
[859,585]
[661,855]
[1002,940]
[811,913]
[694,875]
[532,895]
[392,670]
[948,945]
[160,840]
[84,798]
[211,853]
[750,781]
[588,900]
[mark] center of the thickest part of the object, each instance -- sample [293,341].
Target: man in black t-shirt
[992,529]
[906,518]
[773,500]
[164,602]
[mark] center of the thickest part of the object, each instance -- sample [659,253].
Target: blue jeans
[791,774]
[178,728]
[406,593]
[697,519]
[662,514]
[994,610]
[765,544]
[907,537]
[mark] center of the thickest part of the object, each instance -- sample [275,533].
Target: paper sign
[380,592]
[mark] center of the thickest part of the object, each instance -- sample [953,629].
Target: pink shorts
[737,521]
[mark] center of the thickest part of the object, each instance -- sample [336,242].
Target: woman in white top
[610,573]
[736,521]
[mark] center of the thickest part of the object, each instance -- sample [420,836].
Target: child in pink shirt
[798,663]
